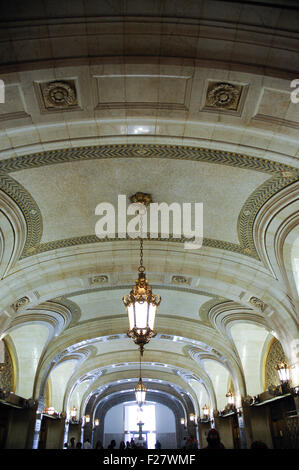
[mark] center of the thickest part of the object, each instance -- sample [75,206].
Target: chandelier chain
[141,267]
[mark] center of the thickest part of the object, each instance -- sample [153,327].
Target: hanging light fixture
[141,303]
[140,389]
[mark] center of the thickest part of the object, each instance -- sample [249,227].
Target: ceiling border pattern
[29,208]
[245,220]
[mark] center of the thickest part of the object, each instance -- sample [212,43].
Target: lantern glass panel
[152,316]
[131,316]
[140,396]
[141,315]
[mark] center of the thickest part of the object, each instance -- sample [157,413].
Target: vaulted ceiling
[188,104]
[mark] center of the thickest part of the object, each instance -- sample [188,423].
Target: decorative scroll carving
[102,279]
[22,302]
[257,303]
[179,280]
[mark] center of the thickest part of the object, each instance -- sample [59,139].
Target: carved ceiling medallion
[59,95]
[223,96]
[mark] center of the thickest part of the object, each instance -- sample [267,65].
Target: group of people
[190,442]
[72,445]
[214,442]
[138,444]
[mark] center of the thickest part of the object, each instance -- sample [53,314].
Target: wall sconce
[73,412]
[183,421]
[192,417]
[230,399]
[96,422]
[87,419]
[49,411]
[206,412]
[283,371]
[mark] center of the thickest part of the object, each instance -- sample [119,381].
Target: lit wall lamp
[87,419]
[283,371]
[284,375]
[49,411]
[206,412]
[230,399]
[96,422]
[183,423]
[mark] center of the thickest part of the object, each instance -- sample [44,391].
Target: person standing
[87,444]
[214,441]
[72,443]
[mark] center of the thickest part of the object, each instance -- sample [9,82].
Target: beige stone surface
[141,75]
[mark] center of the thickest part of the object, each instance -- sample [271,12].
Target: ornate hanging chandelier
[140,389]
[141,303]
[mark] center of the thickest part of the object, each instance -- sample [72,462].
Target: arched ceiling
[188,105]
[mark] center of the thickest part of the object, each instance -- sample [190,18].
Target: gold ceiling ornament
[141,198]
[223,95]
[141,303]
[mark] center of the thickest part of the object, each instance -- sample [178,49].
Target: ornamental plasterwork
[7,374]
[257,303]
[57,95]
[181,280]
[20,303]
[95,280]
[274,356]
[224,97]
[246,218]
